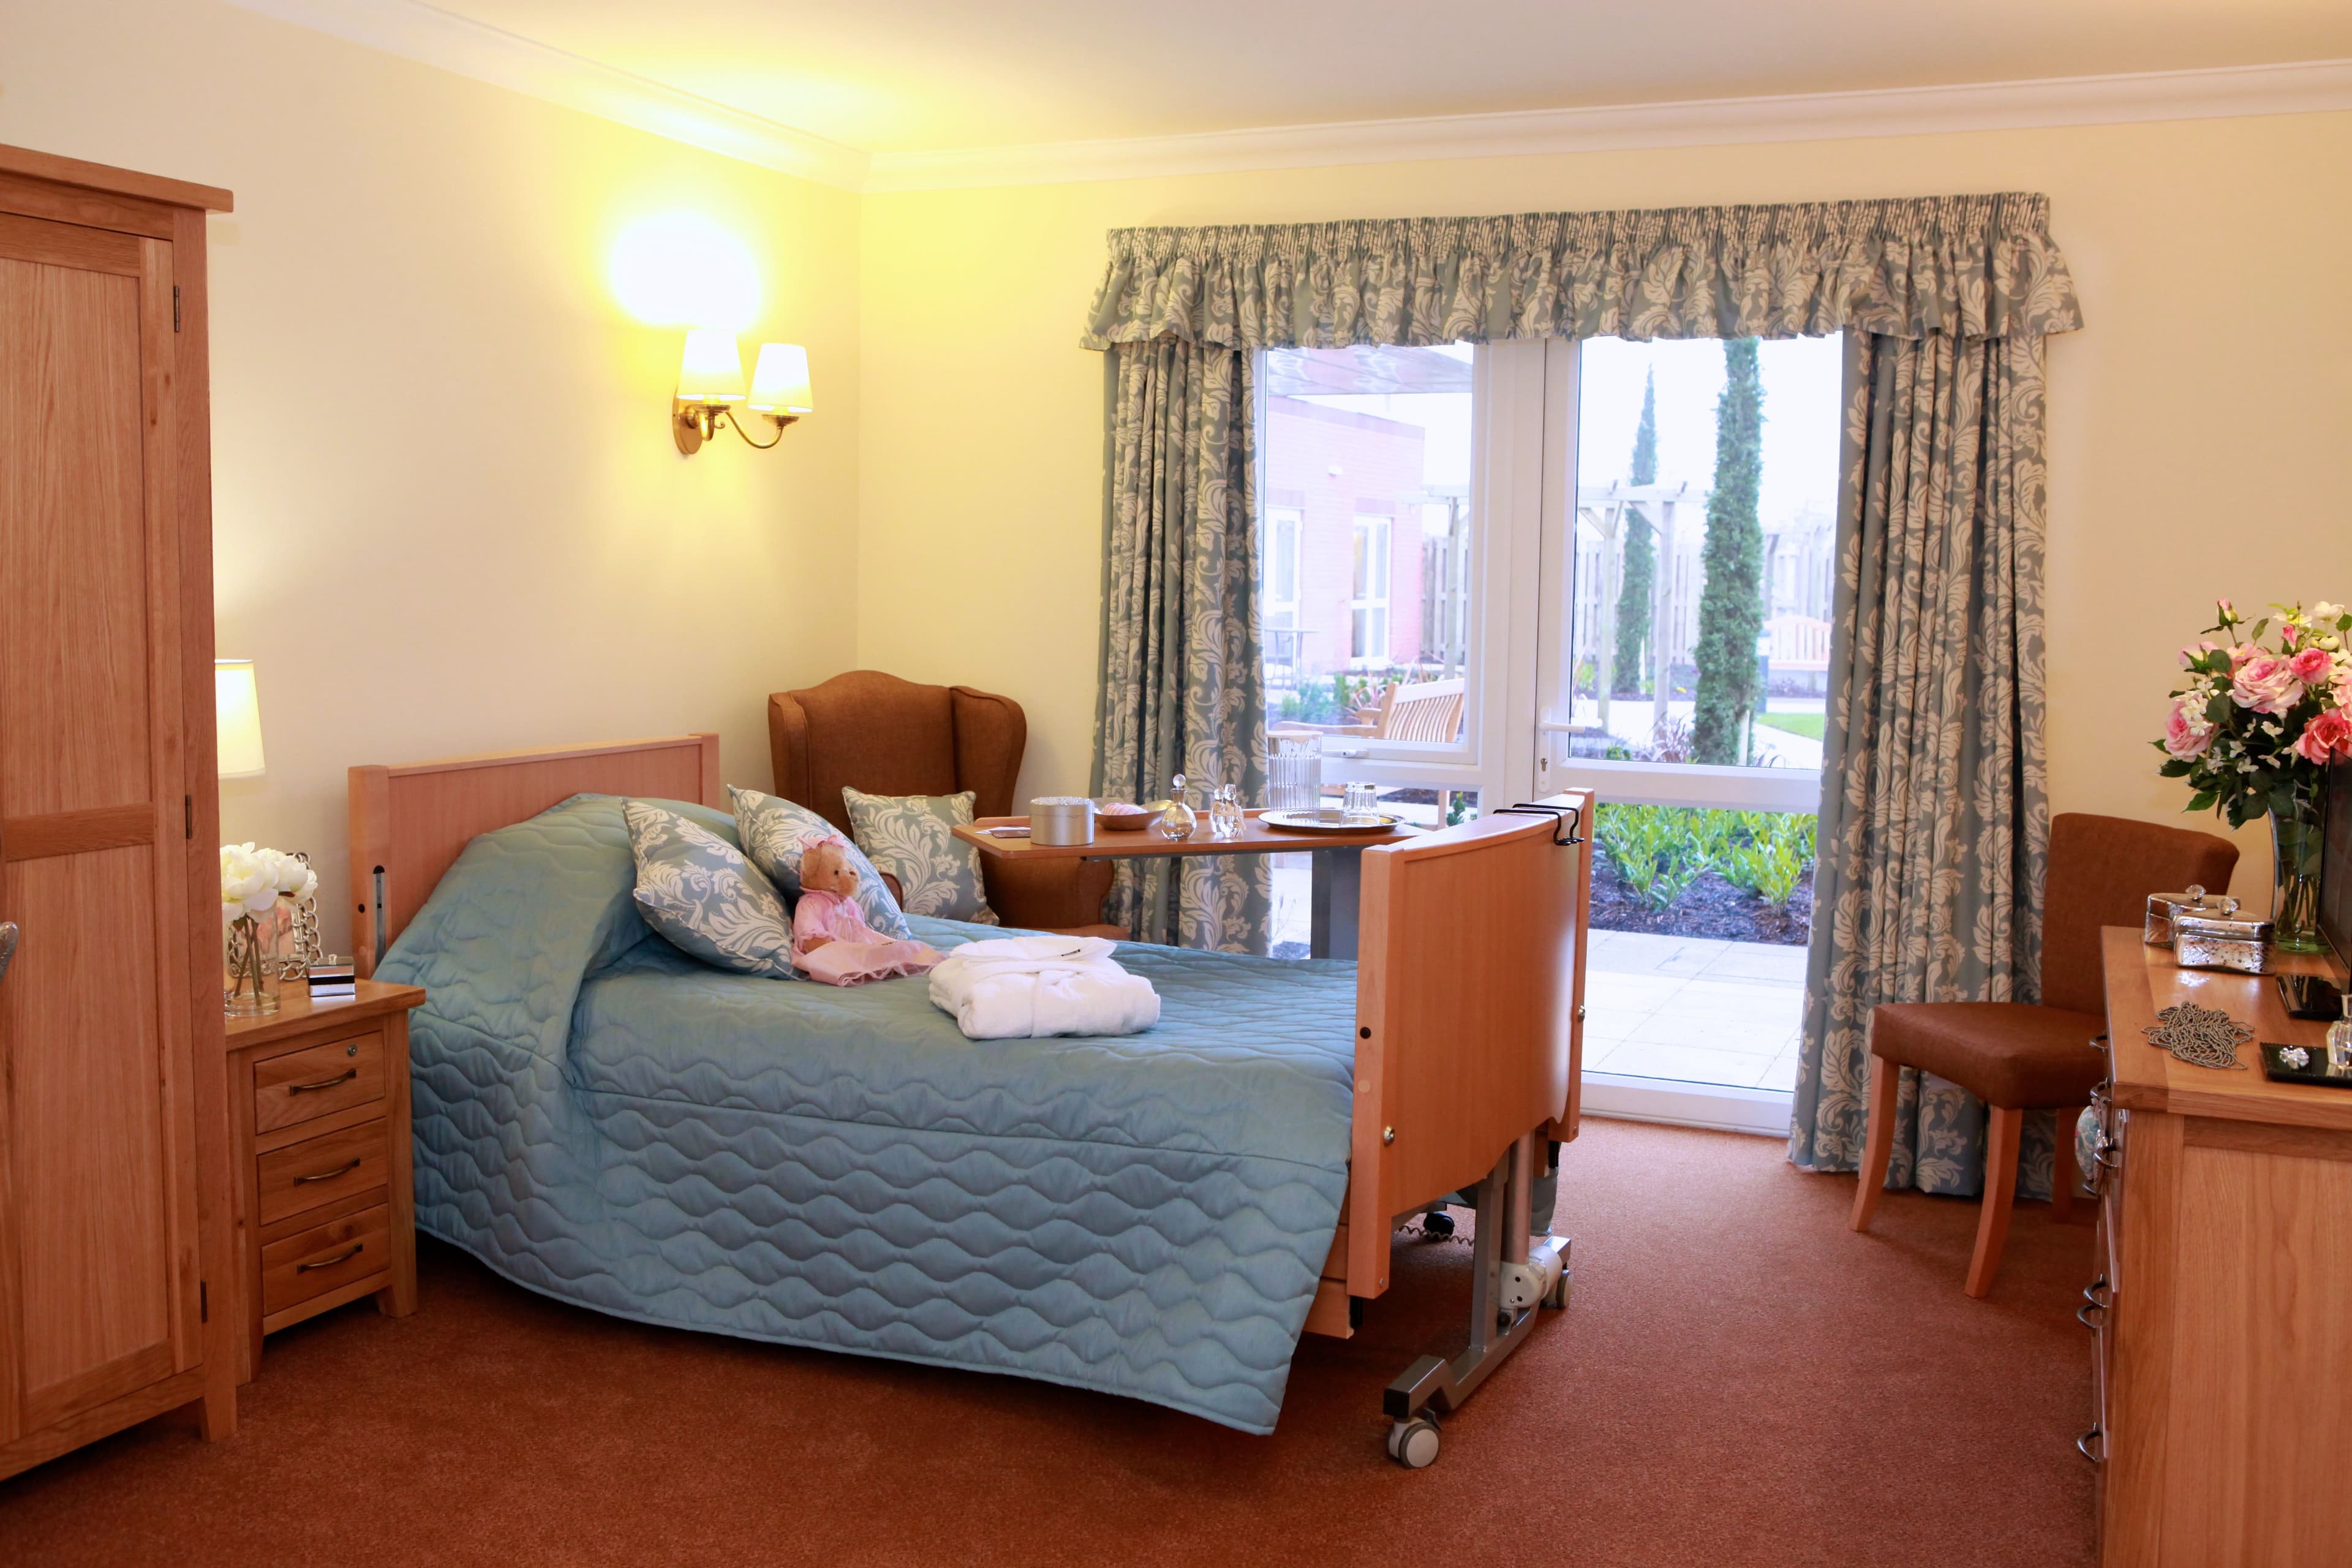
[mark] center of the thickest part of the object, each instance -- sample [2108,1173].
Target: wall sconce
[237,719]
[711,389]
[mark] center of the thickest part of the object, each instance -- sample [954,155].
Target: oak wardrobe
[114,1255]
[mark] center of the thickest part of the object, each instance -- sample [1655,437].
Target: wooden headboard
[409,822]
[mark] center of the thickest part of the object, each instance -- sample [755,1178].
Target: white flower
[2324,611]
[290,875]
[248,881]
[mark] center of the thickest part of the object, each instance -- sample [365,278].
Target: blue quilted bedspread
[602,1118]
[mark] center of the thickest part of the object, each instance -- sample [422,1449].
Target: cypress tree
[1638,580]
[1731,607]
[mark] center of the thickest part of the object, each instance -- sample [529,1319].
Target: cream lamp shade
[237,715]
[712,371]
[779,382]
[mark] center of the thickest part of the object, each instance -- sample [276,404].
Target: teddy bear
[831,940]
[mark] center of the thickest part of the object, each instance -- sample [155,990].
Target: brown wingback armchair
[883,735]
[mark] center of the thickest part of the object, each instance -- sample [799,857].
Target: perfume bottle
[1178,821]
[2340,1042]
[1225,811]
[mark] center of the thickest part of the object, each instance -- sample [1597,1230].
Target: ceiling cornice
[435,37]
[2294,89]
[427,33]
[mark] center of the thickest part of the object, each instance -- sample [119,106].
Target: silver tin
[2164,907]
[1062,819]
[2213,942]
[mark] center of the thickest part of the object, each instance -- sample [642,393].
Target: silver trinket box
[2218,941]
[2163,908]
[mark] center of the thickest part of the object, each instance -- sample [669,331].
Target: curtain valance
[1976,267]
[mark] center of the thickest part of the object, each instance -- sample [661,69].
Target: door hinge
[203,1301]
[188,814]
[176,307]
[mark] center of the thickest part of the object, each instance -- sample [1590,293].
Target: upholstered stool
[2017,1056]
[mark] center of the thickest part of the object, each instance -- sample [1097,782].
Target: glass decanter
[1178,820]
[1225,811]
[2339,1040]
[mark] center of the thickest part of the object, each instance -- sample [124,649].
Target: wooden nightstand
[317,1095]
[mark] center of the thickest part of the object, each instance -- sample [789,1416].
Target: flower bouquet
[254,926]
[2254,732]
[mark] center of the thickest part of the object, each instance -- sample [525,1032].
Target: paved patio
[1693,1010]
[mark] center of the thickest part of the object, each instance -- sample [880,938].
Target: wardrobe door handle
[330,1176]
[2092,1302]
[357,1247]
[2083,1445]
[344,1076]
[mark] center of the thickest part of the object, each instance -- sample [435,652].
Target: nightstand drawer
[319,1171]
[325,1257]
[326,1078]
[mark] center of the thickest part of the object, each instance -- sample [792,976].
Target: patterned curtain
[1183,689]
[1934,822]
[1978,265]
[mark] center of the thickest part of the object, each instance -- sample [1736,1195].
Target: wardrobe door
[97,1258]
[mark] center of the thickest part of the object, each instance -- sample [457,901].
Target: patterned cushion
[773,830]
[912,837]
[696,889]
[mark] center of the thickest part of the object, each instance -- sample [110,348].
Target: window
[1368,587]
[1368,610]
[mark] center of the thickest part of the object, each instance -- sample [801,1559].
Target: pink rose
[2312,665]
[2186,732]
[2265,684]
[2240,652]
[2189,655]
[2326,736]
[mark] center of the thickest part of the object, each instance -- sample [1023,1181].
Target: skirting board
[1762,1111]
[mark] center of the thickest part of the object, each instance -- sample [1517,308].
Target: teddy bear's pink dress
[832,942]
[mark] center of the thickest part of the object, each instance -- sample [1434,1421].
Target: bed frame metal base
[1433,1385]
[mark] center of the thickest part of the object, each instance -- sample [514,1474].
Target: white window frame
[1276,559]
[1372,539]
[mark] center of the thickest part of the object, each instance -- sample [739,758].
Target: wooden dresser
[2221,1318]
[113,1205]
[325,1209]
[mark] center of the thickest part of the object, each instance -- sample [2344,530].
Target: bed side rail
[1469,970]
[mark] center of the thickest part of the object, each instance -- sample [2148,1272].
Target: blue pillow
[699,892]
[773,830]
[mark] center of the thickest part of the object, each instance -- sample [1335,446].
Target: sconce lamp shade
[779,382]
[238,718]
[713,369]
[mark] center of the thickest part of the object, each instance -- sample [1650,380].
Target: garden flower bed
[1736,875]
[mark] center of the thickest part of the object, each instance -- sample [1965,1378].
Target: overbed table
[1338,871]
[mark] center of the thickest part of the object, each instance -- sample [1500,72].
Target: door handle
[8,934]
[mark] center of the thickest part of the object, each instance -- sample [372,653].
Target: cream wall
[2198,425]
[448,516]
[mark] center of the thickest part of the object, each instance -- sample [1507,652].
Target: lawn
[1809,725]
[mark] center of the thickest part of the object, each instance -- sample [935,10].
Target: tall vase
[252,956]
[2294,869]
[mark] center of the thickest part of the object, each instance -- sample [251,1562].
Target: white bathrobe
[1030,986]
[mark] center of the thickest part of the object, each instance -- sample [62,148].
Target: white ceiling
[904,76]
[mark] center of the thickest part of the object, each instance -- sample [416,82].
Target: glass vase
[253,952]
[2294,870]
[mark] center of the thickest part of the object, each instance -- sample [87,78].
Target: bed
[1158,1215]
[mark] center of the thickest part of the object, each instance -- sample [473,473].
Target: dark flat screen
[2336,864]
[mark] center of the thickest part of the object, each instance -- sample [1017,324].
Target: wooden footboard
[1468,1030]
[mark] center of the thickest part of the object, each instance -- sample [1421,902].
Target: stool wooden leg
[1878,1140]
[2063,1177]
[1999,1192]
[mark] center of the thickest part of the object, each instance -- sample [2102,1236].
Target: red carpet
[1738,1380]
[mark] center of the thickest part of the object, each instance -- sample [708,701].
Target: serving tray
[2278,1069]
[1308,822]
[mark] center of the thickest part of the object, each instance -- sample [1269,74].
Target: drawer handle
[357,1247]
[2083,1445]
[330,1176]
[2092,1302]
[343,1076]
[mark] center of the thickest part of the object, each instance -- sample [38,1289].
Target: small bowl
[1121,817]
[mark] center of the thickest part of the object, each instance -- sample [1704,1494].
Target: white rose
[248,881]
[289,873]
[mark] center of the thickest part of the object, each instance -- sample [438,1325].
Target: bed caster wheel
[1413,1444]
[1557,1297]
[1437,1222]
